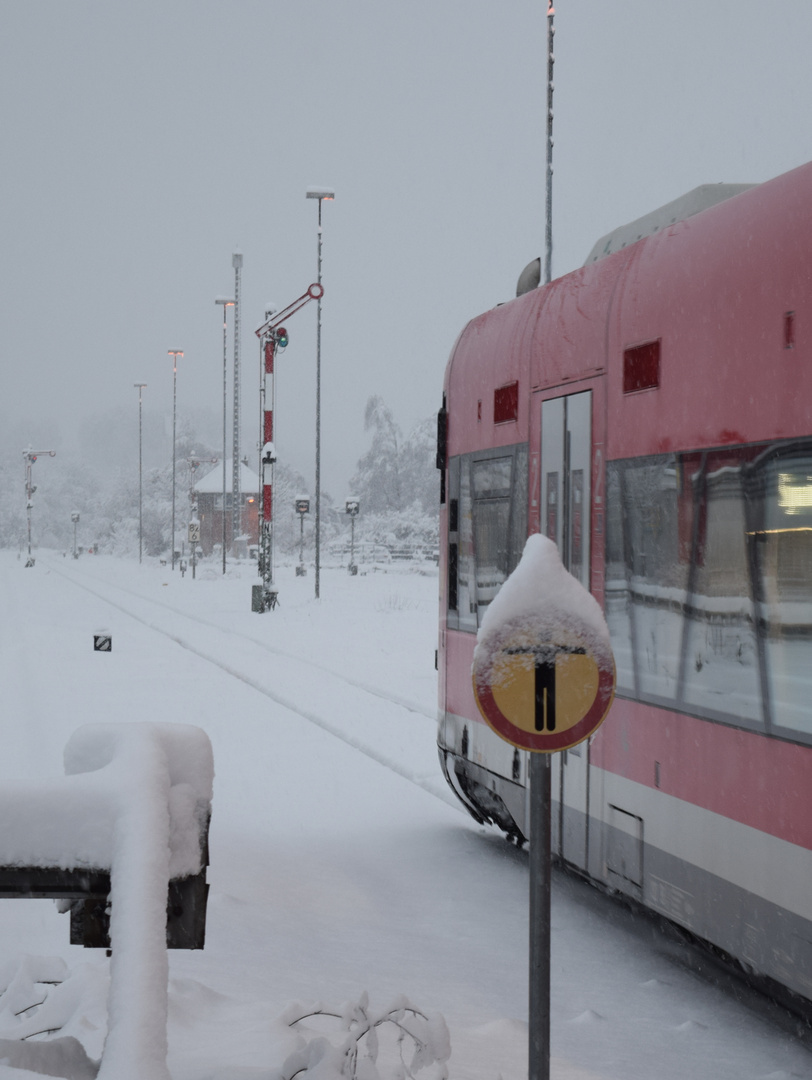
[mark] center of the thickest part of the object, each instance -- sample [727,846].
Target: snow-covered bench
[126,830]
[58,836]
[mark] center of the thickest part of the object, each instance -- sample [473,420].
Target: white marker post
[544,678]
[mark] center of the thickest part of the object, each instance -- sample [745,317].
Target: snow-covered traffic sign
[543,672]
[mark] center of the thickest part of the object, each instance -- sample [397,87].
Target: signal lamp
[282,338]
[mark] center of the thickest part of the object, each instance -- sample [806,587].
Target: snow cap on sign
[542,600]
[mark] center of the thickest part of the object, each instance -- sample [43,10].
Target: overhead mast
[548,252]
[539,766]
[236,529]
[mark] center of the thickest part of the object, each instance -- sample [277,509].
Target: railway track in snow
[286,678]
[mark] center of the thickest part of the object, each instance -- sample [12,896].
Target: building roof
[212,482]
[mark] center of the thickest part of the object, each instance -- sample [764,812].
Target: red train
[652,413]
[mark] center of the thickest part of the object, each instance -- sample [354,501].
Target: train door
[566,472]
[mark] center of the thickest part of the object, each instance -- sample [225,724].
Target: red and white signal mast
[272,336]
[30,457]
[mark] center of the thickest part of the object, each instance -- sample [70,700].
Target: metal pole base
[263,599]
[539,1006]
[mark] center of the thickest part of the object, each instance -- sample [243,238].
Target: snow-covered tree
[396,472]
[377,481]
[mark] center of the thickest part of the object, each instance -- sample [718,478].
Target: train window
[492,486]
[782,533]
[453,571]
[617,595]
[453,553]
[709,583]
[647,575]
[720,654]
[489,490]
[466,570]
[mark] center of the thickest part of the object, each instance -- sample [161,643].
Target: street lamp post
[139,387]
[174,353]
[226,305]
[302,507]
[321,194]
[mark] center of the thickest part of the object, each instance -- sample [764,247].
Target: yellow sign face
[562,705]
[543,696]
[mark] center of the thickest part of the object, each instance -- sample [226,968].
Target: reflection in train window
[647,574]
[721,653]
[491,526]
[782,490]
[709,583]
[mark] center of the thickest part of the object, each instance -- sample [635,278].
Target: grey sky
[144,141]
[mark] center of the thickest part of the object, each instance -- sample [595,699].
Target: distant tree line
[395,480]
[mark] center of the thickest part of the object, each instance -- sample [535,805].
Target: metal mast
[140,387]
[321,194]
[548,247]
[226,305]
[236,262]
[318,419]
[539,766]
[174,353]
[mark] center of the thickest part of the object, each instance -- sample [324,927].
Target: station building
[210,509]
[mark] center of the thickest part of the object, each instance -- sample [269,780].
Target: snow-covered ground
[339,864]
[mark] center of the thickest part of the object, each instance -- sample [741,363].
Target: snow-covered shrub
[364,1044]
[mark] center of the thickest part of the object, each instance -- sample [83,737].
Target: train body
[652,413]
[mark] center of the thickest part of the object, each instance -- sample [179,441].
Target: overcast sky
[144,142]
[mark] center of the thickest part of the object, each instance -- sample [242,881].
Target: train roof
[723,296]
[692,202]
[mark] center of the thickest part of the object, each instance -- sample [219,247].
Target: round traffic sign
[544,695]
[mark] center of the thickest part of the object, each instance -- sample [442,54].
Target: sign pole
[544,679]
[539,1003]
